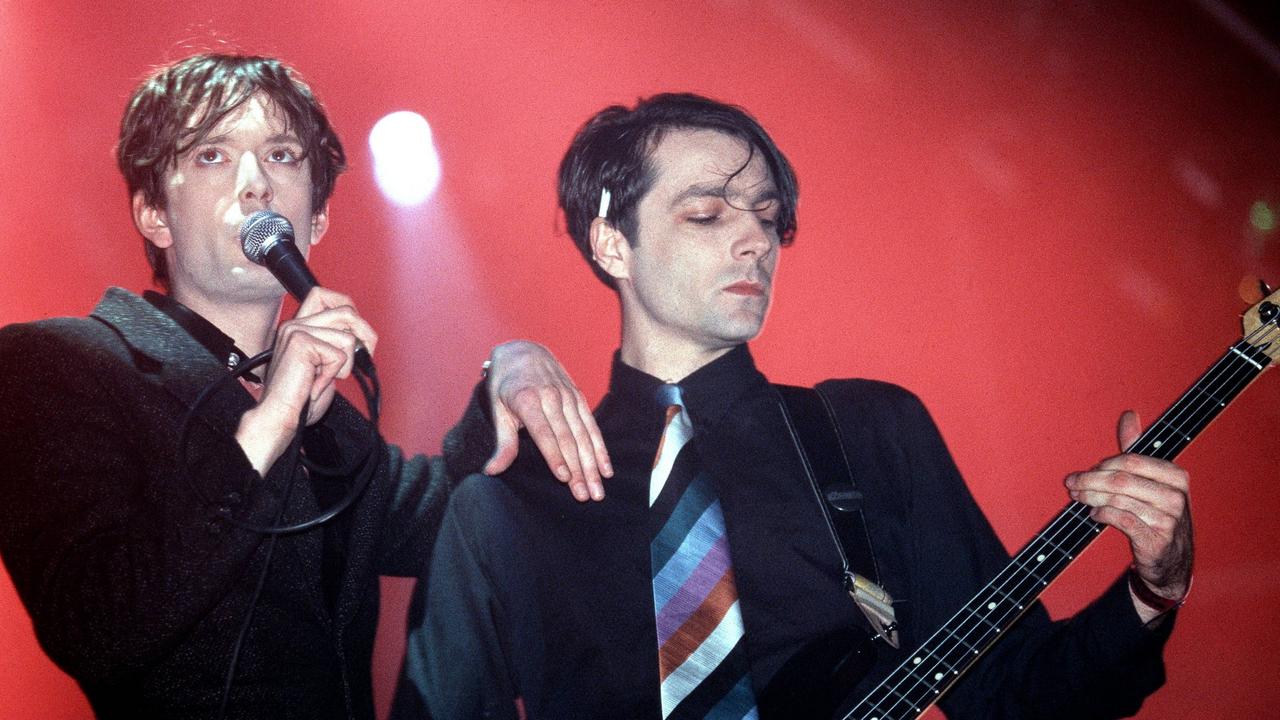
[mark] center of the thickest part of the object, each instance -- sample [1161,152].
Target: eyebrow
[717,190]
[277,138]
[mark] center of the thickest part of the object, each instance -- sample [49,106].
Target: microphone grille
[260,231]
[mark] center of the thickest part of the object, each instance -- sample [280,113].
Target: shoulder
[58,345]
[62,333]
[480,495]
[485,515]
[871,396]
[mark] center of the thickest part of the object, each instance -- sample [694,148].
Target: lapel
[181,365]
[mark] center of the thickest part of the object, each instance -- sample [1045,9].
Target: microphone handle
[285,262]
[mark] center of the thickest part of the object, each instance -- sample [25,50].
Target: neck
[251,324]
[668,359]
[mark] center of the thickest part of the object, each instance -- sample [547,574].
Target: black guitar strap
[817,439]
[812,423]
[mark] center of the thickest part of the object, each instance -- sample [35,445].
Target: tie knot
[669,395]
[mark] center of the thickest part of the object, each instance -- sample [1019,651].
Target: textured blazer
[138,588]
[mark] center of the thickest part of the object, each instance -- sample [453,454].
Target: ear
[319,224]
[610,249]
[151,222]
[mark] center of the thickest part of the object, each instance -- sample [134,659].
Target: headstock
[1260,325]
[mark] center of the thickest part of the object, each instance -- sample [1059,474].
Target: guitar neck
[941,660]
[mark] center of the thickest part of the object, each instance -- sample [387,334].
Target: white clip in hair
[605,198]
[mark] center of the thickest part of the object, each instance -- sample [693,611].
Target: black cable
[370,387]
[293,454]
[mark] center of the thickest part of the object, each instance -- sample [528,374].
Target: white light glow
[405,162]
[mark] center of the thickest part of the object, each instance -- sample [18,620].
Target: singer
[138,588]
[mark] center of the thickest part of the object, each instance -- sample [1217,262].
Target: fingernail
[579,492]
[562,472]
[608,469]
[597,491]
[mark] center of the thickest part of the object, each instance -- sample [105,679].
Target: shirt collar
[708,392]
[204,332]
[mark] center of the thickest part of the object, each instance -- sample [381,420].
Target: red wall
[1032,215]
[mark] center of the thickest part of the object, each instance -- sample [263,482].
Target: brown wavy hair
[178,105]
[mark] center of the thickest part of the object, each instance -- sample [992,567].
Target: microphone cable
[371,388]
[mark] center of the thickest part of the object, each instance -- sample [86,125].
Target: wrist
[1152,600]
[261,439]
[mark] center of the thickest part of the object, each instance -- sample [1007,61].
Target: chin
[736,333]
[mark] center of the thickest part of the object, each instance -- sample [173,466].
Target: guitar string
[1074,512]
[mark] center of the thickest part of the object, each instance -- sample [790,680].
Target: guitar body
[819,677]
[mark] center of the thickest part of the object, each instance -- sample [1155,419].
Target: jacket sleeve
[455,657]
[111,552]
[421,486]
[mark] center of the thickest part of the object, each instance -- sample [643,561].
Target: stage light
[405,162]
[1262,216]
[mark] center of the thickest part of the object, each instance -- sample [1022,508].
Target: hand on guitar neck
[1146,499]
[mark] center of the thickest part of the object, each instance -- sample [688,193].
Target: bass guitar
[922,679]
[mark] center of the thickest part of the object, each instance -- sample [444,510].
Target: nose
[252,184]
[754,241]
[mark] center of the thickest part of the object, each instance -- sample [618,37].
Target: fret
[1247,359]
[916,683]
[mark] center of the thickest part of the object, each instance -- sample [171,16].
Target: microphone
[267,240]
[266,237]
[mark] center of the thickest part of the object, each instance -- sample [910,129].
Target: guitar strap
[811,422]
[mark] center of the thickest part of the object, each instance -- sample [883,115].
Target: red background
[1033,214]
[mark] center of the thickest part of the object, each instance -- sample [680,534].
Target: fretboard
[942,659]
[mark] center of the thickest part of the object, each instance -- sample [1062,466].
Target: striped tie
[702,659]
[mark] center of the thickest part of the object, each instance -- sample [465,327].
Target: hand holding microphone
[311,351]
[267,239]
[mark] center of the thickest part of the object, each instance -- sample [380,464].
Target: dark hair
[613,150]
[179,104]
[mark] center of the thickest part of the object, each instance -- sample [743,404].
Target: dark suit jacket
[137,588]
[534,595]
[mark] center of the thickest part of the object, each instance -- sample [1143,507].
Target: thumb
[1128,429]
[507,445]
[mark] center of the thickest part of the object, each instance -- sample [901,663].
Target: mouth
[747,288]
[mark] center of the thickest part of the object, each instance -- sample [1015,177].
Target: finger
[526,406]
[583,445]
[1166,496]
[1128,428]
[320,299]
[343,341]
[343,318]
[1139,533]
[597,439]
[1156,519]
[303,370]
[508,442]
[562,436]
[1142,466]
[333,360]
